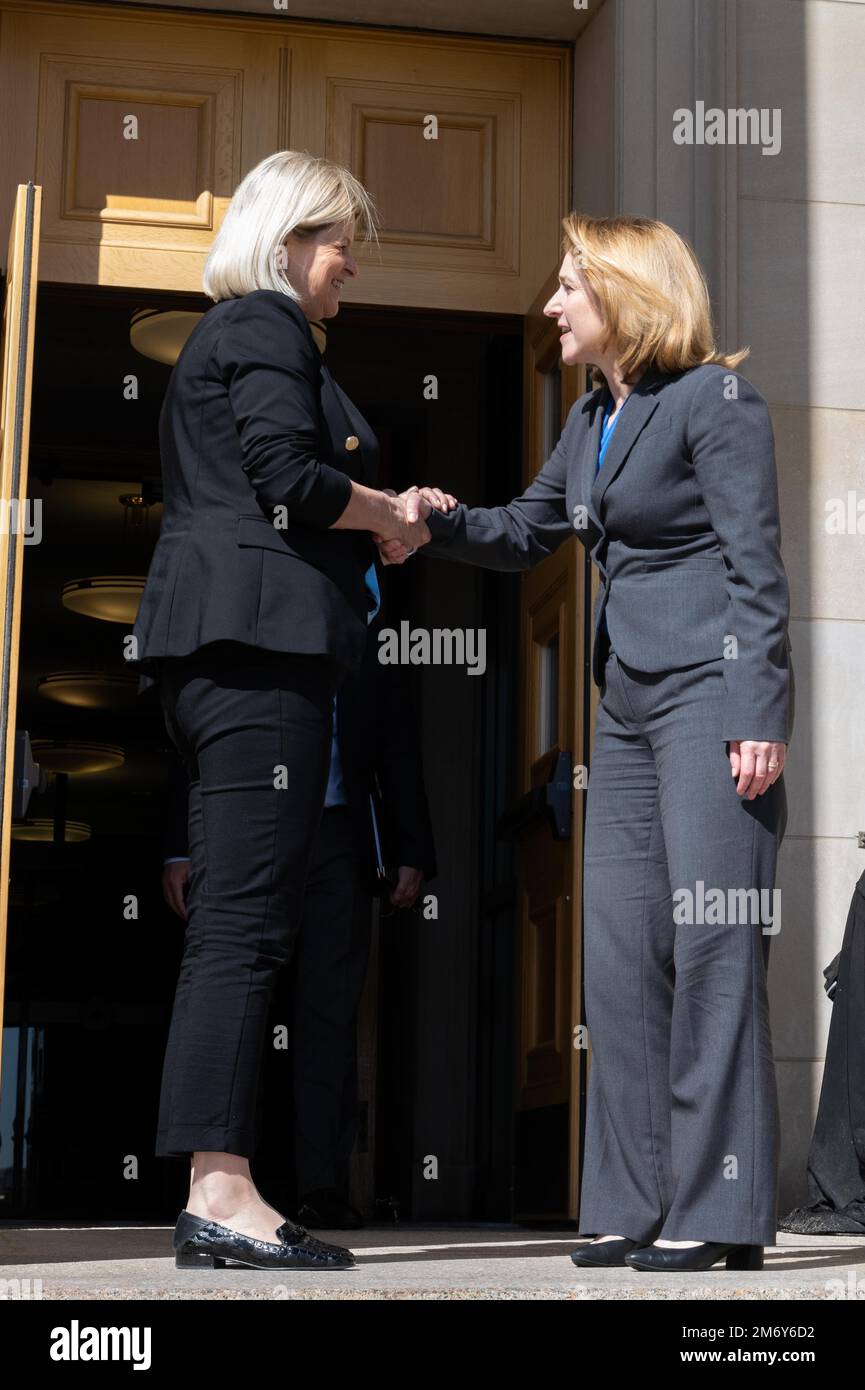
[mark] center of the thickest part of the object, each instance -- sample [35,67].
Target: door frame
[18,332]
[555,598]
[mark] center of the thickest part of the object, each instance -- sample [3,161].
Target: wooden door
[547,825]
[19,314]
[140,123]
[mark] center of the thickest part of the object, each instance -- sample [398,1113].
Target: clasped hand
[407,528]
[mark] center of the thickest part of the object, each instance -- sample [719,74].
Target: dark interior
[93,951]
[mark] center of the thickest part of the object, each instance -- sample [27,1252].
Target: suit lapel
[636,413]
[344,426]
[343,421]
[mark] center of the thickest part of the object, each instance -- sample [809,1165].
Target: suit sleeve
[733,455]
[271,369]
[512,537]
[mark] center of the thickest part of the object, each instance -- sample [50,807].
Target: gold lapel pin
[352,441]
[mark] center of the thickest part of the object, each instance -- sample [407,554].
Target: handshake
[406,528]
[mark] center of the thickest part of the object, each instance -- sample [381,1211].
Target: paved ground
[407,1262]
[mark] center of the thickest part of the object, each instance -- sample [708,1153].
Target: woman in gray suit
[666,472]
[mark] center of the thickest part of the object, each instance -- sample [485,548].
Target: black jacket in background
[836,1159]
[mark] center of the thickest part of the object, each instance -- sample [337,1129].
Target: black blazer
[255,442]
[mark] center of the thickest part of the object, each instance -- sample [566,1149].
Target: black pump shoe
[601,1253]
[201,1244]
[662,1258]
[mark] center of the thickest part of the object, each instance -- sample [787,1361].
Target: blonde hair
[288,192]
[652,292]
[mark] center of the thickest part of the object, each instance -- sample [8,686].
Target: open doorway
[93,951]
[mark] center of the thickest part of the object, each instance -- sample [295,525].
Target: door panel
[139,125]
[19,314]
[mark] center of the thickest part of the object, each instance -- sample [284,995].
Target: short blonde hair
[652,292]
[288,192]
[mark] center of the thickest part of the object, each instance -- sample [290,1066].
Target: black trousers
[315,1008]
[254,730]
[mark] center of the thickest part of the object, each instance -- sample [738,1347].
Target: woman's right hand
[417,503]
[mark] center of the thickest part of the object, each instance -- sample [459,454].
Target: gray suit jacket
[682,522]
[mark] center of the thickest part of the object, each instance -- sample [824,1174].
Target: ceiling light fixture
[89,689]
[113,598]
[161,333]
[75,756]
[42,829]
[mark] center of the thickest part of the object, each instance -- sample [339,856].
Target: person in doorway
[254,610]
[666,473]
[375,741]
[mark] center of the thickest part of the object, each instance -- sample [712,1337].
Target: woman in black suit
[254,609]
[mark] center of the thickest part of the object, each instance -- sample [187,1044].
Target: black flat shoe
[660,1258]
[326,1210]
[603,1252]
[201,1244]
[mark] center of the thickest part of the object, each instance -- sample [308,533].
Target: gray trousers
[682,1132]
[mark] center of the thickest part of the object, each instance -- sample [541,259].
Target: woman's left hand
[750,763]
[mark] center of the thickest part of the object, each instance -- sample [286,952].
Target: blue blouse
[607,431]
